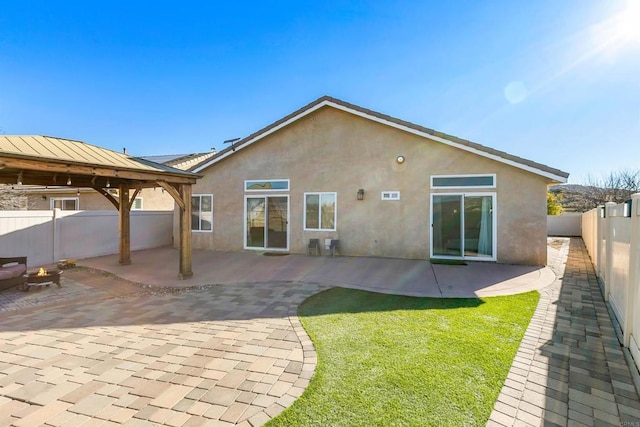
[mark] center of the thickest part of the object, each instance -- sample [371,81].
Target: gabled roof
[553,174]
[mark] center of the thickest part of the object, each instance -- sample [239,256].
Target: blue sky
[553,81]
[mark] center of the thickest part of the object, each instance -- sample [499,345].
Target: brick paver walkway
[217,355]
[570,368]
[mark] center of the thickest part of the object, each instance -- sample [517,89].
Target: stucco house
[382,186]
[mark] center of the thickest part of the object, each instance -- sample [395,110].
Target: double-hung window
[202,212]
[320,211]
[65,203]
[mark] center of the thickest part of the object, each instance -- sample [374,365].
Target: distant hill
[570,188]
[582,198]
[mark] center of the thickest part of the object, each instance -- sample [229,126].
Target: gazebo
[51,161]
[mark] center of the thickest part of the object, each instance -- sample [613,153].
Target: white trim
[244,226]
[266,189]
[335,211]
[62,199]
[468,175]
[324,103]
[391,196]
[200,195]
[494,237]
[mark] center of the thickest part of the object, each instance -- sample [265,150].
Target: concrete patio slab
[420,278]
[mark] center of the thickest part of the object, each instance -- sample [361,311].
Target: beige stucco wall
[90,200]
[334,151]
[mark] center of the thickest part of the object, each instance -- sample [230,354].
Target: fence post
[608,234]
[633,285]
[599,237]
[56,234]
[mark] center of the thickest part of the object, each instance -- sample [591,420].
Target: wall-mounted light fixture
[400,159]
[108,183]
[19,178]
[78,192]
[360,194]
[69,180]
[43,197]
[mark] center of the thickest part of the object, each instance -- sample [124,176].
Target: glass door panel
[447,225]
[277,220]
[255,222]
[478,226]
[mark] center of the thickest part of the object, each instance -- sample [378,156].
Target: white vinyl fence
[568,225]
[44,237]
[612,237]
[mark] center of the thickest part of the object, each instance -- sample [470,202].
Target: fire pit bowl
[42,278]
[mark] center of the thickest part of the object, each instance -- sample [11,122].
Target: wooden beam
[174,193]
[185,234]
[124,225]
[109,197]
[84,181]
[51,166]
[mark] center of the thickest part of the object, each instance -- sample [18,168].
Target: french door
[463,226]
[266,222]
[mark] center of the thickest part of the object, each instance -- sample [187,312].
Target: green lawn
[391,360]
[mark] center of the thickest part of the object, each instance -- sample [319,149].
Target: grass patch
[392,360]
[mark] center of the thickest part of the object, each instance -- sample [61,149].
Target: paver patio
[118,353]
[234,354]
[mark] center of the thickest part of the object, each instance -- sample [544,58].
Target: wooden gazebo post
[124,225]
[185,233]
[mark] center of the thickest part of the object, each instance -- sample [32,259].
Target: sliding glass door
[463,226]
[267,222]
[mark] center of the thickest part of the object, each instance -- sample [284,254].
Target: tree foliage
[554,207]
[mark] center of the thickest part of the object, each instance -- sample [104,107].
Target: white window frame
[448,187]
[244,228]
[335,211]
[52,201]
[200,218]
[494,231]
[391,196]
[133,205]
[270,190]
